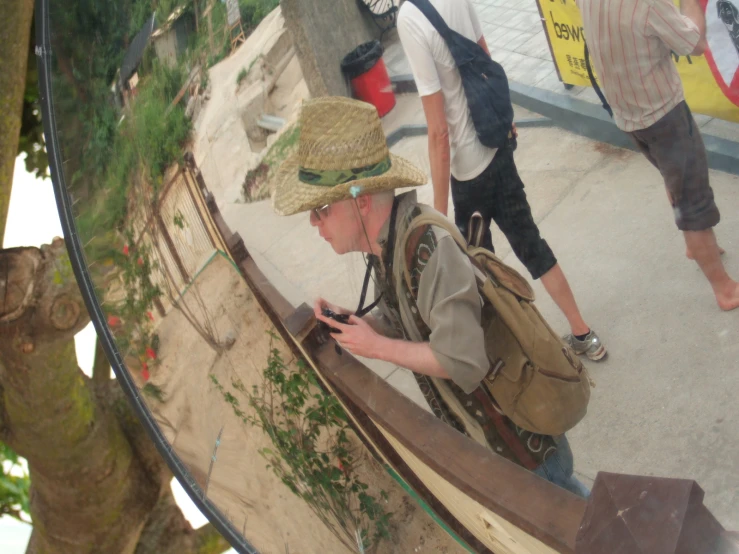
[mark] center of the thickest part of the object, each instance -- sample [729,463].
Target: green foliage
[179,220]
[283,146]
[31,140]
[256,180]
[132,319]
[253,11]
[14,484]
[311,452]
[144,143]
[242,75]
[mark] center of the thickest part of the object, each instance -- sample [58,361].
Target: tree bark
[98,483]
[101,370]
[15,29]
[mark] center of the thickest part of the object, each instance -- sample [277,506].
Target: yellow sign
[711,81]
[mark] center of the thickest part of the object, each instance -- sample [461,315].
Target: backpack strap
[497,273]
[361,309]
[438,220]
[428,10]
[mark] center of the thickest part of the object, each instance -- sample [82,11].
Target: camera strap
[389,251]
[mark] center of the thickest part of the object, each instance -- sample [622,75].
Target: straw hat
[342,153]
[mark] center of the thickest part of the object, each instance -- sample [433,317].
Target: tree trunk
[101,370]
[15,29]
[97,481]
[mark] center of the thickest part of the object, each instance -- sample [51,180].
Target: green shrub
[253,11]
[241,76]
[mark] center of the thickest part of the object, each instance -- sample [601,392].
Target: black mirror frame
[77,257]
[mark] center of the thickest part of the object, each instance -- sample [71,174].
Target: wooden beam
[193,74]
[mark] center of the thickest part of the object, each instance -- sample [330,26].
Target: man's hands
[320,303]
[356,336]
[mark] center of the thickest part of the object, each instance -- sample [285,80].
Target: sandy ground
[194,414]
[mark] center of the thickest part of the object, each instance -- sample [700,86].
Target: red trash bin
[366,71]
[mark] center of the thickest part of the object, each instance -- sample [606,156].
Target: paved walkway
[517,40]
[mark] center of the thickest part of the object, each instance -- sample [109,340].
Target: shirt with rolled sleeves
[631,44]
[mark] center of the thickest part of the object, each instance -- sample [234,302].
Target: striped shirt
[631,43]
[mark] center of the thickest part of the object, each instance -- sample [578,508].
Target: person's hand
[356,336]
[515,131]
[320,303]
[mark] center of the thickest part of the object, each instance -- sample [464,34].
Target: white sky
[33,220]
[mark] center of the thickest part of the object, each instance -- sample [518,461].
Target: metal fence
[180,234]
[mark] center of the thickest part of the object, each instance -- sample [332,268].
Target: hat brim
[292,196]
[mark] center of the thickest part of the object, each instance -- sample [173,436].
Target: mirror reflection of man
[630,44]
[482,179]
[345,177]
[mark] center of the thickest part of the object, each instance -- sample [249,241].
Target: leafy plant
[254,183]
[253,11]
[311,452]
[241,76]
[131,320]
[14,484]
[179,220]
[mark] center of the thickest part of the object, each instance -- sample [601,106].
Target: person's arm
[373,321]
[358,337]
[683,34]
[449,303]
[439,149]
[423,66]
[484,45]
[693,10]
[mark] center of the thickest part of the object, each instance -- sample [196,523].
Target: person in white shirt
[482,179]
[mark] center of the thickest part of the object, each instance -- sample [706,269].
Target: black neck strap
[389,252]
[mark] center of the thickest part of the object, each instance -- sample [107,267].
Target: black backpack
[484,80]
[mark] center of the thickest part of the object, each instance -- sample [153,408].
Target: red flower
[150,353]
[113,321]
[125,250]
[145,373]
[151,317]
[140,261]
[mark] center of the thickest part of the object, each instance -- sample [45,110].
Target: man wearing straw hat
[345,177]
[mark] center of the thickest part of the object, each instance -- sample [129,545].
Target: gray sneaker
[591,346]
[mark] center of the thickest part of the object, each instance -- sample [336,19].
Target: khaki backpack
[535,378]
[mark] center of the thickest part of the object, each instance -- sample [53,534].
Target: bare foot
[730,301]
[690,256]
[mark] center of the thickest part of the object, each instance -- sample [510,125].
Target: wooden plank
[194,73]
[501,536]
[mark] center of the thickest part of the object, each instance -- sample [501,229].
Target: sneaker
[591,346]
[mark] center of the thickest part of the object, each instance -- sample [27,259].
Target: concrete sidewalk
[517,40]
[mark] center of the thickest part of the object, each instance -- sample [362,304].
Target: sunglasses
[322,211]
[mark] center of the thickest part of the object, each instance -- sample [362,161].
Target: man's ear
[364,203]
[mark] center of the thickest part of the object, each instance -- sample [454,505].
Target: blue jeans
[558,469]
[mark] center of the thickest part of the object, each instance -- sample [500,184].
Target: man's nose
[314,220]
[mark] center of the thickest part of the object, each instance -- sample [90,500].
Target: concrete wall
[324,31]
